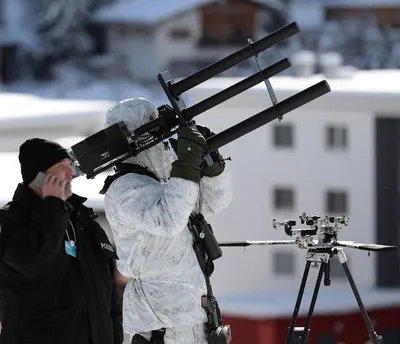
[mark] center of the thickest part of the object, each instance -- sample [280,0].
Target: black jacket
[46,295]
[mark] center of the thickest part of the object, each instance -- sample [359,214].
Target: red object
[346,328]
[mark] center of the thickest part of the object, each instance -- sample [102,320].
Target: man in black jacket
[57,283]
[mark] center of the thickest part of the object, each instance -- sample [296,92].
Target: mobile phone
[39,179]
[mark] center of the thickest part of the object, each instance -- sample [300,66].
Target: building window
[283,198]
[126,30]
[141,31]
[182,33]
[336,137]
[283,263]
[337,202]
[122,30]
[283,135]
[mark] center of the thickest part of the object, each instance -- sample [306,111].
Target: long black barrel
[257,243]
[235,89]
[234,59]
[266,116]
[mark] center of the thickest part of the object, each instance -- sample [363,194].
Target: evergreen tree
[62,31]
[61,28]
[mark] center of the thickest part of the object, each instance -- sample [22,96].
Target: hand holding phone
[51,185]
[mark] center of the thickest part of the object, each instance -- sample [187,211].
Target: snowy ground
[93,89]
[73,83]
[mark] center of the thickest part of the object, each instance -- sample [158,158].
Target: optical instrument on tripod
[113,145]
[319,253]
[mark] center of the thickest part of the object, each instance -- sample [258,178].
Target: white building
[338,154]
[148,37]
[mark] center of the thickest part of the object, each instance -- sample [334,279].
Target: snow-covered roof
[330,301]
[145,11]
[24,110]
[151,12]
[361,3]
[10,176]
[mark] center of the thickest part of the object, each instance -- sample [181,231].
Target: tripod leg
[298,303]
[327,275]
[373,336]
[322,269]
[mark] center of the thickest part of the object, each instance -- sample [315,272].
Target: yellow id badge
[70,248]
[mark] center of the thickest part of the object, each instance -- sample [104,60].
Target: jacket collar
[24,195]
[123,169]
[76,201]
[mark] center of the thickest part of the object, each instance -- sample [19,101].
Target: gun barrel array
[236,89]
[113,145]
[234,59]
[242,128]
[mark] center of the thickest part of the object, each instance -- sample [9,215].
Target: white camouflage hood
[135,112]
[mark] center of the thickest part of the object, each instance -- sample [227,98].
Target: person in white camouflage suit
[148,204]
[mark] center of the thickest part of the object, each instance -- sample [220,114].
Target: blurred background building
[63,63]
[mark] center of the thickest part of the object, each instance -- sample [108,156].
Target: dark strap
[157,337]
[209,302]
[123,169]
[138,339]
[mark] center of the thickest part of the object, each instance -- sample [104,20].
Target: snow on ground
[75,84]
[29,111]
[94,90]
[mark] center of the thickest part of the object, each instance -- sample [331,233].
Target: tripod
[319,252]
[322,256]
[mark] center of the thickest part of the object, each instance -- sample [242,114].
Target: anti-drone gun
[111,146]
[319,236]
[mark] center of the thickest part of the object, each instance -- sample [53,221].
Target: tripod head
[319,252]
[325,228]
[320,234]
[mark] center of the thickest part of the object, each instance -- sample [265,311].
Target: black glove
[190,151]
[219,165]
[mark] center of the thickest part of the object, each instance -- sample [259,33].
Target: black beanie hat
[37,155]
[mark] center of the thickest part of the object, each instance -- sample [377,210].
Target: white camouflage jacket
[149,224]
